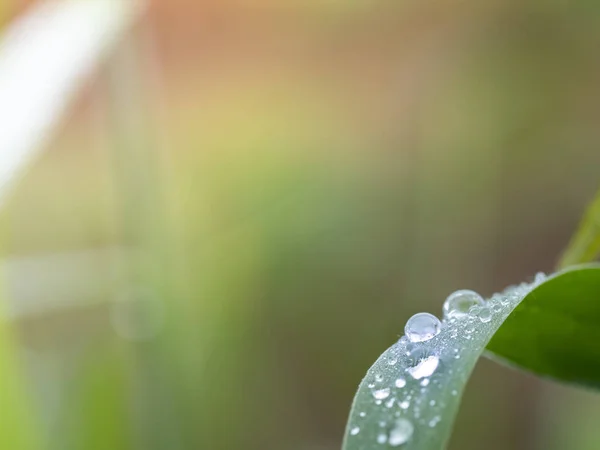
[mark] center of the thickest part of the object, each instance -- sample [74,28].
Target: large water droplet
[401,433]
[458,303]
[381,394]
[422,327]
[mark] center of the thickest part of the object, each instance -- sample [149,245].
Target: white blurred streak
[44,59]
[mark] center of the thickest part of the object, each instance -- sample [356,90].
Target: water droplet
[400,382]
[425,382]
[354,431]
[432,403]
[381,394]
[458,303]
[433,422]
[423,364]
[371,385]
[485,314]
[379,377]
[401,433]
[362,414]
[390,402]
[381,438]
[539,278]
[405,404]
[454,392]
[378,402]
[422,327]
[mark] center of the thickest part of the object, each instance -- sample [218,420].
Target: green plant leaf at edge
[400,405]
[555,331]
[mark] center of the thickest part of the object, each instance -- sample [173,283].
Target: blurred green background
[250,199]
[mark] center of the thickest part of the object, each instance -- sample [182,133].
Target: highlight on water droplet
[354,431]
[401,433]
[422,327]
[381,438]
[400,382]
[458,303]
[381,394]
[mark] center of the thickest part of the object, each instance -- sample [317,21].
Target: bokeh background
[250,198]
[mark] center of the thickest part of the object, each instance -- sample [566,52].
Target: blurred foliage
[321,181]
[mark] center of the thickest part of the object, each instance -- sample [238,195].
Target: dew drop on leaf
[485,314]
[423,364]
[422,327]
[458,303]
[401,433]
[400,382]
[381,394]
[354,431]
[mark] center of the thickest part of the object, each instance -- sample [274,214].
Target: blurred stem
[584,246]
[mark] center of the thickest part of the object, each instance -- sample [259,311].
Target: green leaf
[396,407]
[555,330]
[585,244]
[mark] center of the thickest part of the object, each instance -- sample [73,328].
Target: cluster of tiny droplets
[404,391]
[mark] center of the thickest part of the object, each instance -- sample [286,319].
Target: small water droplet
[540,277]
[371,385]
[379,378]
[433,422]
[458,303]
[354,431]
[362,414]
[390,402]
[425,382]
[423,364]
[381,394]
[392,361]
[400,382]
[378,402]
[485,314]
[422,327]
[404,404]
[454,392]
[381,438]
[401,433]
[432,403]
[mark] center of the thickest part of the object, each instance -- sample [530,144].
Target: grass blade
[584,246]
[410,396]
